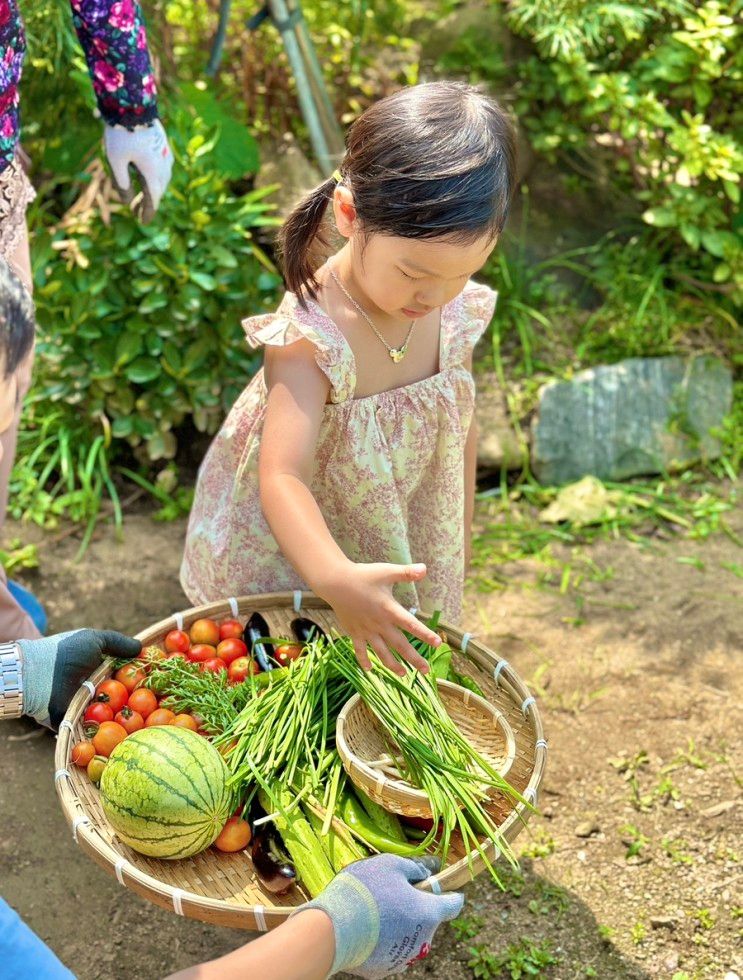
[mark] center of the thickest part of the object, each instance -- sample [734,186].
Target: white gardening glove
[145,148]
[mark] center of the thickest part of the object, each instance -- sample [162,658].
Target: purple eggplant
[305,630]
[271,862]
[256,628]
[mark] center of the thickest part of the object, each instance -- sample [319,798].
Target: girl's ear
[344,211]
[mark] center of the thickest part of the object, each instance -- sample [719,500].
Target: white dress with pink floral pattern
[389,470]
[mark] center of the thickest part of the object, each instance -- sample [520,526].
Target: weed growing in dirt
[541,846]
[634,840]
[467,927]
[551,900]
[638,932]
[526,958]
[677,850]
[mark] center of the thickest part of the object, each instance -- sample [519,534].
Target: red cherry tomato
[234,836]
[214,664]
[108,736]
[205,631]
[177,641]
[143,701]
[185,721]
[286,652]
[231,629]
[200,652]
[163,716]
[82,753]
[112,693]
[131,676]
[130,721]
[239,669]
[98,712]
[231,648]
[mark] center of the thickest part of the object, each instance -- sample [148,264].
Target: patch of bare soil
[634,868]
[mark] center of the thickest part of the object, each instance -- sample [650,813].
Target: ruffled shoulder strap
[290,323]
[464,321]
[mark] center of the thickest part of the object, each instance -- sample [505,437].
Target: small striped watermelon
[164,791]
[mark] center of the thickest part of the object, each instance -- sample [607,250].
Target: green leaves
[140,325]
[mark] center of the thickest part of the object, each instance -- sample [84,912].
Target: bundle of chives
[438,757]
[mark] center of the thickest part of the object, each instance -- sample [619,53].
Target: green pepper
[357,819]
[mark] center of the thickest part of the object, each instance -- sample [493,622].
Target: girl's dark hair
[17,321]
[430,161]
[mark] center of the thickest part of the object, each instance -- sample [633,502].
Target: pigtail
[303,240]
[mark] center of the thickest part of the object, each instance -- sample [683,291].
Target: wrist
[333,577]
[11,680]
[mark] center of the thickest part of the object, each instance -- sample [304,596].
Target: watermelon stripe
[135,765]
[161,821]
[158,753]
[197,760]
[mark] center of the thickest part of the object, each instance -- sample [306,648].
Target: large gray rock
[643,415]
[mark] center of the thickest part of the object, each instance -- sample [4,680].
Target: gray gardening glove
[381,923]
[54,667]
[146,149]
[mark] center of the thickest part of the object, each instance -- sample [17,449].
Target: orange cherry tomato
[234,836]
[204,631]
[108,736]
[129,720]
[162,716]
[185,721]
[151,654]
[144,701]
[82,753]
[131,676]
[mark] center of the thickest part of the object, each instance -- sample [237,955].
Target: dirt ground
[634,869]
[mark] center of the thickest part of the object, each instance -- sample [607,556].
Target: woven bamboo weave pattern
[222,889]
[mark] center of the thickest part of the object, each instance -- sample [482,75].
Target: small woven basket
[222,889]
[362,742]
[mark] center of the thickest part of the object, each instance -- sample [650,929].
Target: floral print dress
[389,467]
[113,38]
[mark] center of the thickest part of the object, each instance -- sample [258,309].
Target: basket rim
[190,903]
[412,794]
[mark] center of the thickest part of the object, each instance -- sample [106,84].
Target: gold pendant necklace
[396,353]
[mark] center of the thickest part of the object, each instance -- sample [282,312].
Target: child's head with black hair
[17,325]
[426,183]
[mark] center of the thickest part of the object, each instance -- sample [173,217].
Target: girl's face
[405,278]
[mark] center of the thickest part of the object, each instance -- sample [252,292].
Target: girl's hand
[368,613]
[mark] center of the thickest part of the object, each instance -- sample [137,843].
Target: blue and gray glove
[54,667]
[381,922]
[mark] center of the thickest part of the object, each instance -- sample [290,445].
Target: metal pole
[280,15]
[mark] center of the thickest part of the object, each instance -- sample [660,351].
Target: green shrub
[649,97]
[139,326]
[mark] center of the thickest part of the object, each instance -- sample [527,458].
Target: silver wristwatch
[11,681]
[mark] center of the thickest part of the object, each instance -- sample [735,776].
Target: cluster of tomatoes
[214,646]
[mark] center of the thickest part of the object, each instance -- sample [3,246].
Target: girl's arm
[470,479]
[301,949]
[114,42]
[360,594]
[470,472]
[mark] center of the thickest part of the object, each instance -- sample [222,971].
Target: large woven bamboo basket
[222,889]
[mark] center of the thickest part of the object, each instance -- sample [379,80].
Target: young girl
[348,464]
